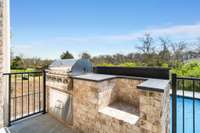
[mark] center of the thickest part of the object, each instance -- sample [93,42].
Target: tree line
[19,62]
[149,52]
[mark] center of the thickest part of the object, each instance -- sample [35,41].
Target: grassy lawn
[23,70]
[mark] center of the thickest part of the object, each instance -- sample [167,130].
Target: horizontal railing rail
[188,78]
[22,73]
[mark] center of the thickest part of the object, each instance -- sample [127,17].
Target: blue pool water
[188,115]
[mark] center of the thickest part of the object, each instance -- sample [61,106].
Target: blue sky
[46,28]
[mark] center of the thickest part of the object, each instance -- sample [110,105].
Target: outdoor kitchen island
[102,103]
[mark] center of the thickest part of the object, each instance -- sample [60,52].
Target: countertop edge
[154,85]
[149,84]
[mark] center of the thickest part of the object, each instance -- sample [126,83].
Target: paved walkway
[38,124]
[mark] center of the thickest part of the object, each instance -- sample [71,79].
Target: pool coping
[187,94]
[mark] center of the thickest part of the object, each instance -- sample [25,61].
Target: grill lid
[73,66]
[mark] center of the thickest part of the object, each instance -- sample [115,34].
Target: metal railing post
[9,100]
[174,103]
[44,92]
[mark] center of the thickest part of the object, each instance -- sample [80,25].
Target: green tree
[17,63]
[85,55]
[66,55]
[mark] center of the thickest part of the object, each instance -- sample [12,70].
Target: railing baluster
[15,95]
[9,100]
[174,103]
[183,88]
[44,92]
[34,92]
[28,94]
[39,92]
[22,91]
[193,86]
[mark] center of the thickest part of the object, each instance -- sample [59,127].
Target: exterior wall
[4,58]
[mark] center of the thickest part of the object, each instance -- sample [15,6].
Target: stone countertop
[148,84]
[94,77]
[102,77]
[154,85]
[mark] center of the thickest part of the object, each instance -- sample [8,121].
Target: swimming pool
[188,115]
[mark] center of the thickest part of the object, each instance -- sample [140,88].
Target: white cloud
[103,43]
[177,31]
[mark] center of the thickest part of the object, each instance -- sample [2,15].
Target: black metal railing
[184,88]
[27,94]
[174,108]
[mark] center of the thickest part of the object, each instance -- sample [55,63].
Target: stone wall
[1,64]
[111,105]
[4,57]
[85,106]
[128,92]
[154,111]
[106,93]
[90,97]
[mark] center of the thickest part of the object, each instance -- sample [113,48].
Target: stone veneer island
[116,104]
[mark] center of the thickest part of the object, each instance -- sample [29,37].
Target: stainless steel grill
[71,66]
[60,86]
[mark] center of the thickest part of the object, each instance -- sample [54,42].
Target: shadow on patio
[38,124]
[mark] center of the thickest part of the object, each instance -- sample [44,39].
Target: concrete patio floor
[37,124]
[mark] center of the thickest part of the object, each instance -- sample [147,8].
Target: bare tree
[164,43]
[164,53]
[148,50]
[178,50]
[146,46]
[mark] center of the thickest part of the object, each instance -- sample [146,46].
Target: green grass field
[24,70]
